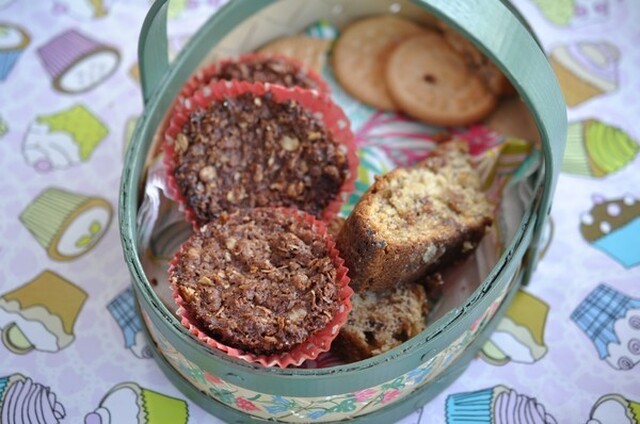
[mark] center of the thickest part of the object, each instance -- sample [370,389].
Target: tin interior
[287,17]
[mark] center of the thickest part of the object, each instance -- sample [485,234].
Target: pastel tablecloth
[69,97]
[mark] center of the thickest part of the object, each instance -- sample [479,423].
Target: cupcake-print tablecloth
[72,347]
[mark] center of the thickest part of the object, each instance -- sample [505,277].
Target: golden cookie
[309,51]
[478,62]
[361,52]
[430,81]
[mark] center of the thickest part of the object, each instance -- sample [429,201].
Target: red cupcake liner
[318,343]
[205,75]
[321,105]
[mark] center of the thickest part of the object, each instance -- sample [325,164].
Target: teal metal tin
[388,386]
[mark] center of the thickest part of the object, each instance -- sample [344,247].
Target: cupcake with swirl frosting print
[23,400]
[496,405]
[585,69]
[596,149]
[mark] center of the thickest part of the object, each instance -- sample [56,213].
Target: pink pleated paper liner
[208,74]
[319,342]
[319,104]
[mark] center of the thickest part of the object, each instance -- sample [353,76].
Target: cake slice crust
[415,220]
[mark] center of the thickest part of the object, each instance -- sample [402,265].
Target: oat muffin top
[264,68]
[255,67]
[252,151]
[260,280]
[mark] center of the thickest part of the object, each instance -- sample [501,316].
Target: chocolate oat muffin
[242,145]
[262,281]
[257,67]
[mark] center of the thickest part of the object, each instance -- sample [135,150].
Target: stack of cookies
[431,74]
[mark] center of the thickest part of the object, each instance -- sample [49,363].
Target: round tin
[388,386]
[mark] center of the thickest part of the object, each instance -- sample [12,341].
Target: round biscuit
[309,51]
[478,62]
[360,54]
[430,81]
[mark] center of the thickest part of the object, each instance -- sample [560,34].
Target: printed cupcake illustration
[129,128]
[82,9]
[63,139]
[67,224]
[134,73]
[41,314]
[123,310]
[613,226]
[585,69]
[612,321]
[13,40]
[130,403]
[191,9]
[4,127]
[615,409]
[22,400]
[519,337]
[76,62]
[574,13]
[497,405]
[595,149]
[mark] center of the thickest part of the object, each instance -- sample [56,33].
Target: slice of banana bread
[413,221]
[381,321]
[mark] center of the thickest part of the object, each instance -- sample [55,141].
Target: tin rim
[437,336]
